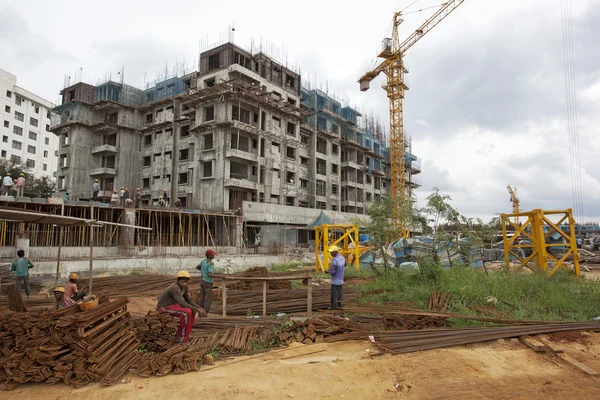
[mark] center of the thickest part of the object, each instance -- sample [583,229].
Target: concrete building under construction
[238,132]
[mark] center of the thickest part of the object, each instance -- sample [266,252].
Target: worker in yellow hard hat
[95,190]
[60,300]
[122,195]
[336,270]
[138,198]
[175,301]
[114,198]
[70,287]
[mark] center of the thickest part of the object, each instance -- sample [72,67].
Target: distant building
[25,129]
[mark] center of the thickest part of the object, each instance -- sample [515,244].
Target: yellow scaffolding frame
[322,244]
[536,220]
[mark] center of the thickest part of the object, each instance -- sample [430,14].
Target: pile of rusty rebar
[408,341]
[133,285]
[68,345]
[242,302]
[156,331]
[177,358]
[438,301]
[204,326]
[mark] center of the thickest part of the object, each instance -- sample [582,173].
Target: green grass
[291,266]
[534,296]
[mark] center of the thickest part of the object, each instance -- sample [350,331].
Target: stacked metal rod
[156,331]
[68,345]
[287,301]
[178,359]
[398,342]
[209,325]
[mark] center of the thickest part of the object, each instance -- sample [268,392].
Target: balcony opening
[149,118]
[321,167]
[209,113]
[290,201]
[334,189]
[182,178]
[290,80]
[334,148]
[334,169]
[290,152]
[304,161]
[209,82]
[110,140]
[289,177]
[108,162]
[321,188]
[304,183]
[321,205]
[321,146]
[148,140]
[112,118]
[147,161]
[184,154]
[277,121]
[291,129]
[238,171]
[240,114]
[304,139]
[184,131]
[146,183]
[63,162]
[208,141]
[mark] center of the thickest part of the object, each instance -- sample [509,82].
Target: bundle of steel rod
[406,341]
[178,359]
[236,340]
[35,302]
[132,285]
[286,301]
[488,311]
[15,301]
[69,345]
[210,325]
[156,331]
[438,301]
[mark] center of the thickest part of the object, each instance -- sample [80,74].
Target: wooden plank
[533,344]
[553,347]
[579,365]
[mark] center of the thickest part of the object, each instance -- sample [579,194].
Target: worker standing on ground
[7,183]
[176,301]
[95,190]
[70,287]
[138,198]
[20,185]
[578,242]
[114,198]
[207,269]
[336,270]
[61,300]
[22,266]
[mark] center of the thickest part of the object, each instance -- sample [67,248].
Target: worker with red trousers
[207,270]
[175,301]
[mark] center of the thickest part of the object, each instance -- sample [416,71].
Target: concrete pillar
[23,244]
[128,234]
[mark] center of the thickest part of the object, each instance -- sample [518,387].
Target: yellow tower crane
[393,66]
[515,202]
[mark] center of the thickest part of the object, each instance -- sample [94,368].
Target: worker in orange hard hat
[70,287]
[207,270]
[175,301]
[60,300]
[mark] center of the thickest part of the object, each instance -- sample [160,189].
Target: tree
[439,210]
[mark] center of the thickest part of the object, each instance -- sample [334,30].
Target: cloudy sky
[486,105]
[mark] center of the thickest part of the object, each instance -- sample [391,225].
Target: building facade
[25,129]
[240,129]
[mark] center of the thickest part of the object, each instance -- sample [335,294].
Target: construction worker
[22,266]
[165,196]
[7,184]
[122,196]
[114,198]
[336,270]
[66,196]
[178,204]
[161,202]
[95,190]
[138,198]
[126,195]
[207,269]
[256,244]
[61,301]
[176,301]
[70,287]
[20,185]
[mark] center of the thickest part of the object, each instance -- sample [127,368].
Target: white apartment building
[25,128]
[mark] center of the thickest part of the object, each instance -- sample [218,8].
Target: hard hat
[122,188]
[210,252]
[160,197]
[334,248]
[138,188]
[96,180]
[73,275]
[22,174]
[59,289]
[183,274]
[115,191]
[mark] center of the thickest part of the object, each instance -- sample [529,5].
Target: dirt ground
[494,370]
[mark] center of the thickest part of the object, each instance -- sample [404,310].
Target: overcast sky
[486,105]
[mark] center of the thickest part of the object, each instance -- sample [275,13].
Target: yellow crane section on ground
[536,220]
[341,235]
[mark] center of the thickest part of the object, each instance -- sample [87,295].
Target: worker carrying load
[207,270]
[175,300]
[70,287]
[336,270]
[61,301]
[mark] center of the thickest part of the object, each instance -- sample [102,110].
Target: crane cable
[572,112]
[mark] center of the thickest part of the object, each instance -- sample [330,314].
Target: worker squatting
[175,299]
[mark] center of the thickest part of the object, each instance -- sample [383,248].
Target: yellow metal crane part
[393,66]
[340,235]
[536,220]
[515,202]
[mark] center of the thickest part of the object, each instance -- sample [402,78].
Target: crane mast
[515,202]
[393,66]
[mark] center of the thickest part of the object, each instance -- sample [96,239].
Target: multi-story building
[241,129]
[25,129]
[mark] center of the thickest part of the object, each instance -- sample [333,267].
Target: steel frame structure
[349,235]
[536,220]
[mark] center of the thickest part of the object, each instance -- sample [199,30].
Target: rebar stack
[68,345]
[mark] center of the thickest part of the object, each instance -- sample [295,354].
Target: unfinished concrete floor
[494,370]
